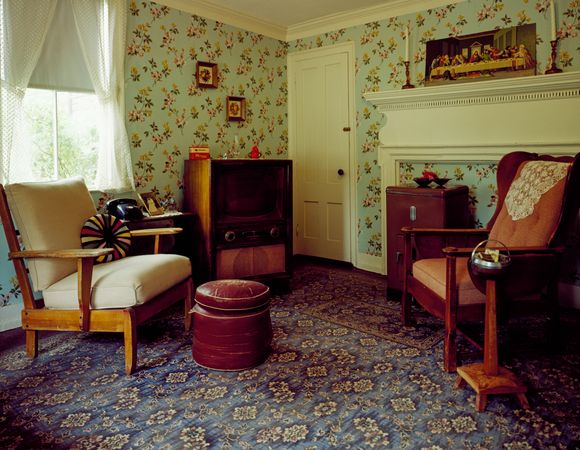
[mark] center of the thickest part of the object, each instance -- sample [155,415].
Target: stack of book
[199,152]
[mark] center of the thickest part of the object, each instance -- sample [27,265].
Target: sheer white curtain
[23,28]
[101,26]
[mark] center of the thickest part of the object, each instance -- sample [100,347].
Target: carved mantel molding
[507,90]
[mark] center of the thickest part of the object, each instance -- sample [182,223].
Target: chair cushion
[431,272]
[123,283]
[105,231]
[49,216]
[533,205]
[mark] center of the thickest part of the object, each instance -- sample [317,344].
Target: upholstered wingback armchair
[538,198]
[79,294]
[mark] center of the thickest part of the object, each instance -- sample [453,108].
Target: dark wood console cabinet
[242,215]
[423,208]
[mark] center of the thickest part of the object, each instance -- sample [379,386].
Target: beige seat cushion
[123,283]
[432,273]
[49,216]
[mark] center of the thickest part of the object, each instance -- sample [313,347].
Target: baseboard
[569,295]
[370,263]
[10,317]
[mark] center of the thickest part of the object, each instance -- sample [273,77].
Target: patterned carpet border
[379,321]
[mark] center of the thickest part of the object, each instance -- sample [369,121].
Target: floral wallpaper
[166,112]
[9,288]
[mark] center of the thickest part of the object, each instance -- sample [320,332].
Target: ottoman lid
[232,294]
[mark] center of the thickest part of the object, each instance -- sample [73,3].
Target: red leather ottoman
[231,324]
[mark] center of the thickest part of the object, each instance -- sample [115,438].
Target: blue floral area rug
[326,385]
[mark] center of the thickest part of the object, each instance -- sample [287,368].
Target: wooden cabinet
[242,214]
[423,208]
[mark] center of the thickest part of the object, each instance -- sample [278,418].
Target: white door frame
[292,59]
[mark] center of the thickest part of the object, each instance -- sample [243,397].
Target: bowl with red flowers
[429,177]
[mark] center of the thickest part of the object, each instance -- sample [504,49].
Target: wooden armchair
[78,293]
[538,199]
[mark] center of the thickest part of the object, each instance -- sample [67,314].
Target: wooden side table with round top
[232,329]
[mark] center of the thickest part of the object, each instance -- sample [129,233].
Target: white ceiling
[287,13]
[294,19]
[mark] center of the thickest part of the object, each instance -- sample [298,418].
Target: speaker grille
[250,261]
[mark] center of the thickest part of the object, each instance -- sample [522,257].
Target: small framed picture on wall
[206,74]
[236,108]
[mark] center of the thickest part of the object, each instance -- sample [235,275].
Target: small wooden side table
[488,377]
[413,206]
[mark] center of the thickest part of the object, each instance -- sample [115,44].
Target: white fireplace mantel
[476,121]
[506,90]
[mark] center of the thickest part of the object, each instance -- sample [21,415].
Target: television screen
[248,192]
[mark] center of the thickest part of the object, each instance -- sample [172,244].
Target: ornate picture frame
[498,53]
[236,108]
[206,74]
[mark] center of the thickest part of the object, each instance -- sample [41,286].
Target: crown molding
[357,17]
[227,16]
[308,28]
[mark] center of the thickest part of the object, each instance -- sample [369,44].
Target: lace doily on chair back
[536,178]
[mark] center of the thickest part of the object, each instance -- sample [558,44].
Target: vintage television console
[242,218]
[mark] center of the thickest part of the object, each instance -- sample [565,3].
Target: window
[61,134]
[61,92]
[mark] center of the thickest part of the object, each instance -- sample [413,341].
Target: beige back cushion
[50,216]
[536,205]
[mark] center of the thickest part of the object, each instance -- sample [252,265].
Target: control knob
[230,236]
[275,232]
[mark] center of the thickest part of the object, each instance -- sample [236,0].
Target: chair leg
[450,350]
[187,306]
[406,317]
[130,334]
[32,343]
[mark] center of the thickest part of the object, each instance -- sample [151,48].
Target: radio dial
[274,232]
[230,236]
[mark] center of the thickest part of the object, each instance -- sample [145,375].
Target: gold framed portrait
[206,74]
[236,108]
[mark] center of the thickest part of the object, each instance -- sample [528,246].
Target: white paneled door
[322,139]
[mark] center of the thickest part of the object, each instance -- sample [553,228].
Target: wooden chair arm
[66,253]
[445,231]
[455,251]
[458,252]
[85,261]
[155,231]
